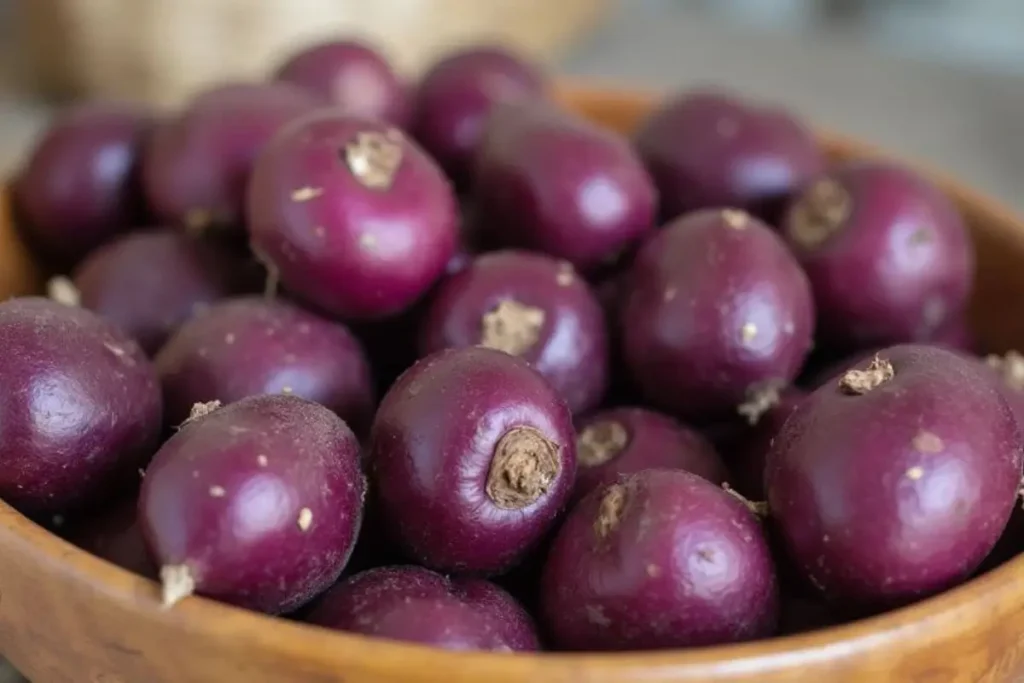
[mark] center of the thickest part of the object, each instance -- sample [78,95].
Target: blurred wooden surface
[162,51]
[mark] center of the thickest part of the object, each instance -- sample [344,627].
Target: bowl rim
[993,592]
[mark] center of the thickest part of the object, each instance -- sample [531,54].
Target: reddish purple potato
[622,441]
[352,215]
[888,256]
[249,346]
[527,305]
[114,535]
[747,449]
[473,456]
[352,76]
[661,559]
[257,503]
[149,283]
[716,313]
[455,98]
[417,605]
[897,481]
[80,407]
[80,185]
[196,168]
[710,149]
[553,182]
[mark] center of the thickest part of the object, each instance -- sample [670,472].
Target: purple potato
[554,182]
[531,306]
[257,504]
[888,256]
[622,441]
[80,410]
[352,216]
[417,605]
[709,149]
[716,312]
[149,283]
[80,185]
[473,456]
[249,346]
[661,559]
[197,165]
[895,482]
[352,76]
[455,98]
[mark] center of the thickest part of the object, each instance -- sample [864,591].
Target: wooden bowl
[68,617]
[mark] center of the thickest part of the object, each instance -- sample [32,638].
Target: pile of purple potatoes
[445,363]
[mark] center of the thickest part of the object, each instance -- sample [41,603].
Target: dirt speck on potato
[304,194]
[760,401]
[609,513]
[736,219]
[200,410]
[928,442]
[859,382]
[305,519]
[62,290]
[217,491]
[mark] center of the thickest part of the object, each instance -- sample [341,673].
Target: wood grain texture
[66,617]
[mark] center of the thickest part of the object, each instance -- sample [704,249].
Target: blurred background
[938,80]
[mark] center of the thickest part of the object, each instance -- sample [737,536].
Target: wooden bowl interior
[66,616]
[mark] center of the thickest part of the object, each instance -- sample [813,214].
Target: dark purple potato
[716,313]
[353,216]
[895,482]
[661,559]
[417,605]
[888,256]
[747,448]
[353,77]
[79,410]
[196,167]
[623,441]
[249,346]
[149,283]
[456,96]
[553,182]
[527,305]
[80,185]
[257,503]
[473,456]
[707,150]
[114,535]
